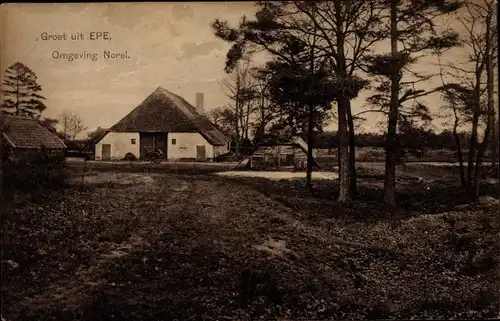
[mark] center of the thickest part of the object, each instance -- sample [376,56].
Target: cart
[154,156]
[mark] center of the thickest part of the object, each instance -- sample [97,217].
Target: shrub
[34,171]
[373,155]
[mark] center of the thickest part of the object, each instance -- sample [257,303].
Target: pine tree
[413,32]
[21,92]
[337,34]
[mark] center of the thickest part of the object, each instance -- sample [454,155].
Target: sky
[167,44]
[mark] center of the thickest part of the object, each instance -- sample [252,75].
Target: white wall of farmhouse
[180,146]
[121,144]
[183,145]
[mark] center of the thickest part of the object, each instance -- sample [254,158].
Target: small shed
[23,136]
[289,155]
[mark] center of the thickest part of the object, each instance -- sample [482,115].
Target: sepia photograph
[250,160]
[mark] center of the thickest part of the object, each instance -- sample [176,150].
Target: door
[201,153]
[106,152]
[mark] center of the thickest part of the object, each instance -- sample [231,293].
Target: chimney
[199,102]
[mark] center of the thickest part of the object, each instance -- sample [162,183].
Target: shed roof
[27,133]
[164,111]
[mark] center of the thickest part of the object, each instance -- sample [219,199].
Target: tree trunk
[17,96]
[343,103]
[237,148]
[391,142]
[237,142]
[310,141]
[459,154]
[352,153]
[237,112]
[65,127]
[246,128]
[310,124]
[475,125]
[259,136]
[344,181]
[494,146]
[498,103]
[472,149]
[491,120]
[479,161]
[1,157]
[338,150]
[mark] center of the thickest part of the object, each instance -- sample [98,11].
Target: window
[132,141]
[174,141]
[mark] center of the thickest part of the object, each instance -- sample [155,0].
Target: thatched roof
[27,133]
[164,111]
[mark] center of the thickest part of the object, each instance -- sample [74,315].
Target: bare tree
[458,98]
[224,118]
[486,11]
[469,87]
[215,116]
[71,124]
[264,109]
[240,91]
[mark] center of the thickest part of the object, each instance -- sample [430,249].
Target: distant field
[328,164]
[326,157]
[374,154]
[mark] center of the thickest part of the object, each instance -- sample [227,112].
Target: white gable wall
[185,145]
[121,144]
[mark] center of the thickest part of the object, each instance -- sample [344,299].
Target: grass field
[132,245]
[375,154]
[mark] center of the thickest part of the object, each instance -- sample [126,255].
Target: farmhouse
[167,123]
[23,136]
